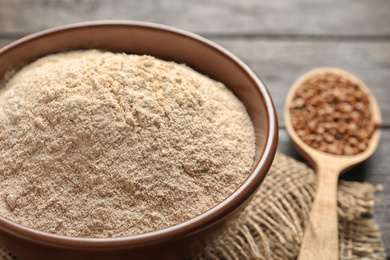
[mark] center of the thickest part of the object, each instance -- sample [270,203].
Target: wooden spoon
[320,240]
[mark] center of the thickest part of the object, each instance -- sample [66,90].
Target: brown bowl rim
[190,226]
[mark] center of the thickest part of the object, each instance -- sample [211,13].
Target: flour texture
[101,144]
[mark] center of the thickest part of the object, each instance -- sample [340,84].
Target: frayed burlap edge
[272,225]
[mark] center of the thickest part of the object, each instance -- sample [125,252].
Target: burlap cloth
[272,225]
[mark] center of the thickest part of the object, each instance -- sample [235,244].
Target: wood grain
[282,17]
[280,40]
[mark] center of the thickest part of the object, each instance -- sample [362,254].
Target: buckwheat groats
[332,114]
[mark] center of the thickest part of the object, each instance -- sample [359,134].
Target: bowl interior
[168,44]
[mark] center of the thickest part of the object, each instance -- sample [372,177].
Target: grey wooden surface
[279,39]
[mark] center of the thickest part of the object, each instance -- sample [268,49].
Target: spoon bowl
[320,240]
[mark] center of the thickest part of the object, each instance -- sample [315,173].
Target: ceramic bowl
[167,43]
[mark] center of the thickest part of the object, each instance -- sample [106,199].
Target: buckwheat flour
[96,144]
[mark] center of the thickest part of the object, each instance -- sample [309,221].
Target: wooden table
[279,39]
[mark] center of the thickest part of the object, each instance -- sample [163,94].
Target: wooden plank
[280,63]
[374,170]
[282,17]
[4,41]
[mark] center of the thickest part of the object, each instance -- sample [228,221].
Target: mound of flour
[97,144]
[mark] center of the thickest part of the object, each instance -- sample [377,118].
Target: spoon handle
[320,240]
